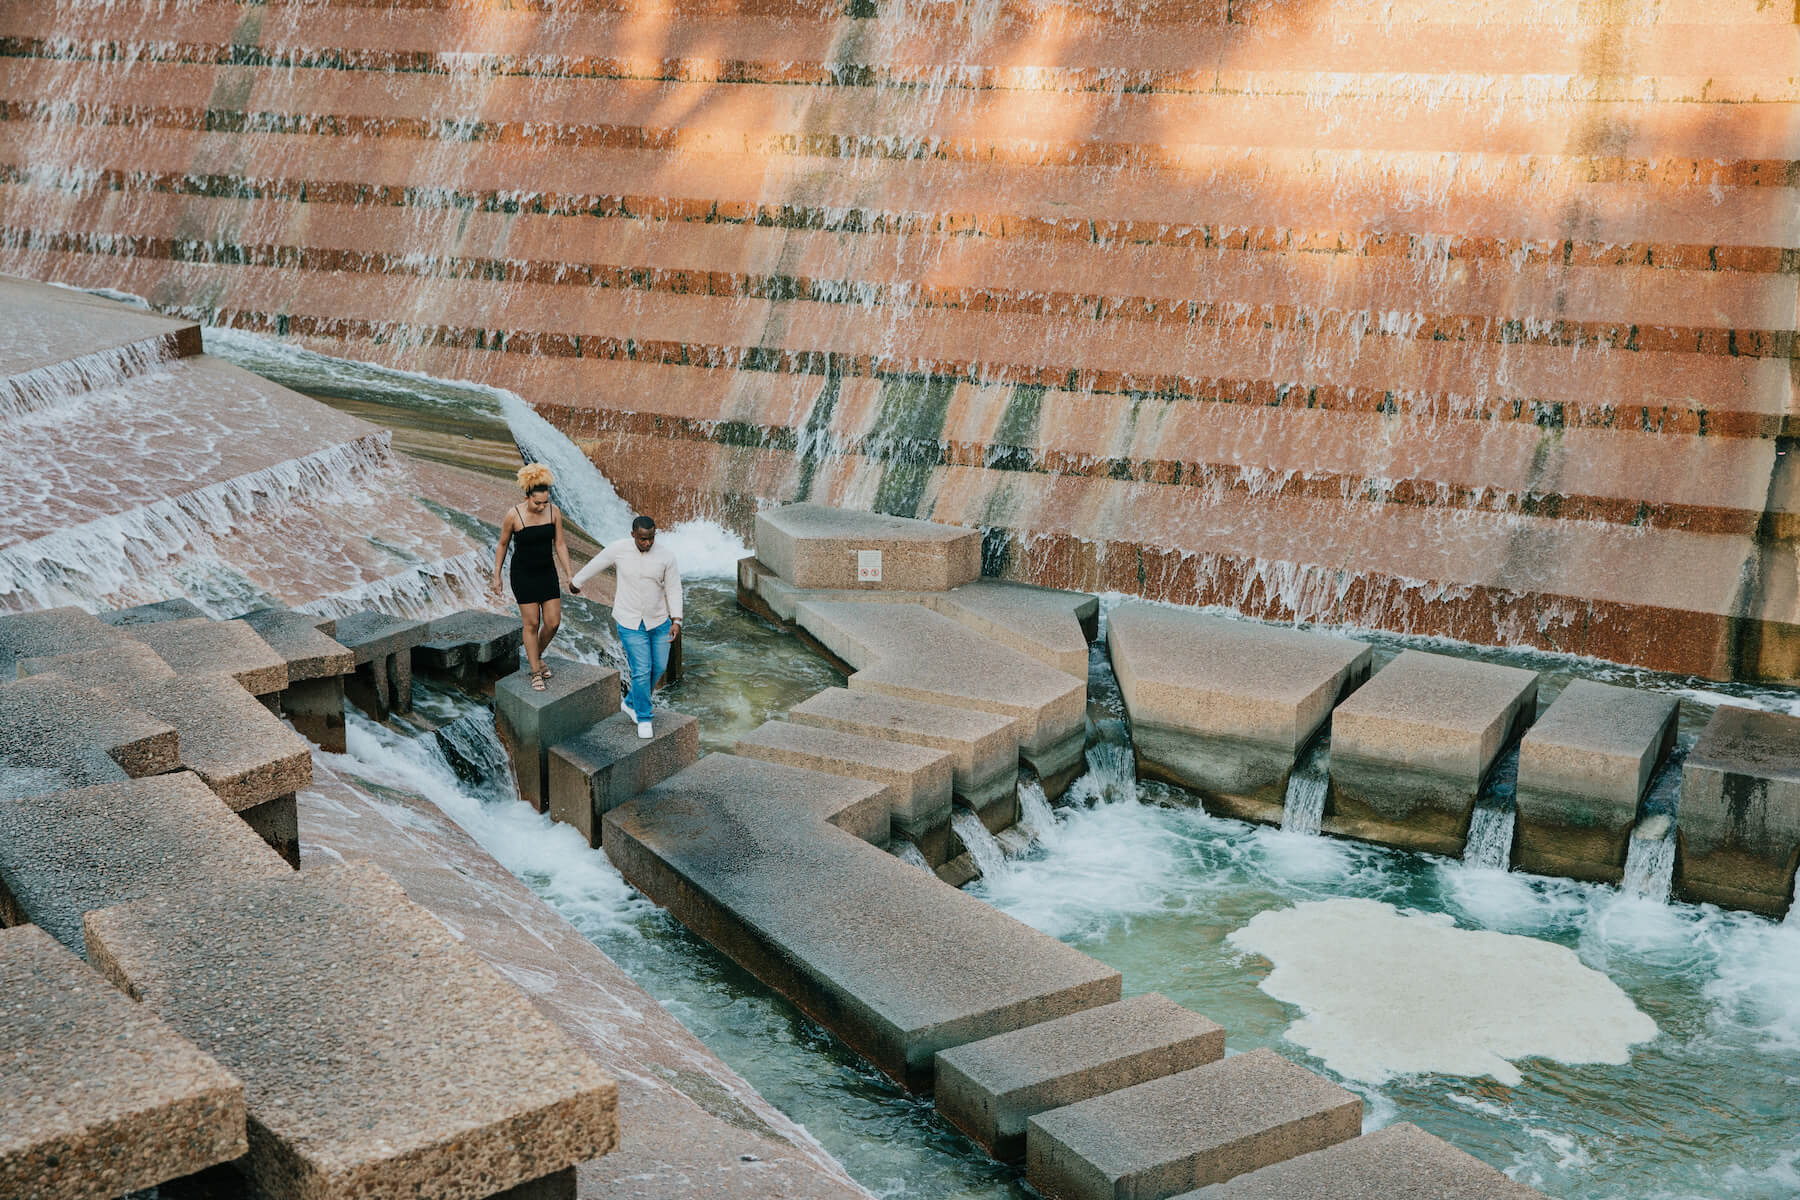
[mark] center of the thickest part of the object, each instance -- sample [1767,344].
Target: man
[646,608]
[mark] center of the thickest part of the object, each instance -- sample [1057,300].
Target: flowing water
[1303,808]
[1496,812]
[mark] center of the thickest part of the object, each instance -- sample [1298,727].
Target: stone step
[382,647]
[1399,1162]
[102,1098]
[378,1056]
[178,609]
[575,698]
[918,778]
[202,646]
[317,665]
[894,962]
[817,546]
[1410,748]
[48,631]
[64,347]
[1225,707]
[906,651]
[1738,827]
[602,767]
[65,853]
[984,747]
[989,1089]
[1178,1132]
[472,647]
[55,734]
[1583,767]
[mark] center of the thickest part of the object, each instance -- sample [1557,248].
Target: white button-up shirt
[649,590]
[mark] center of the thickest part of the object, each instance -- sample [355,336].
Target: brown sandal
[546,671]
[537,681]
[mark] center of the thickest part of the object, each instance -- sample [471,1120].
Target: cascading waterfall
[429,590]
[472,750]
[1303,809]
[1036,817]
[43,387]
[909,854]
[1650,854]
[1491,824]
[982,846]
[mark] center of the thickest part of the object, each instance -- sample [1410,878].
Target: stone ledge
[1400,1162]
[814,546]
[1738,827]
[310,652]
[51,631]
[55,734]
[206,647]
[607,764]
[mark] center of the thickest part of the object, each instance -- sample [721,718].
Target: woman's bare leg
[552,621]
[531,615]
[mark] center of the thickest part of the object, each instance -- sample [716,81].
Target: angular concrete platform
[1738,828]
[904,650]
[1400,1162]
[471,647]
[55,733]
[100,1096]
[772,865]
[918,777]
[814,546]
[51,631]
[316,664]
[1198,1127]
[1409,749]
[1583,767]
[378,1056]
[206,647]
[529,722]
[65,853]
[607,764]
[1223,707]
[989,1089]
[984,747]
[382,647]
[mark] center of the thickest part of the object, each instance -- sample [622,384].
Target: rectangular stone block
[1400,1162]
[989,1089]
[1583,767]
[1409,749]
[607,764]
[372,635]
[379,1057]
[51,631]
[1224,707]
[64,853]
[1738,827]
[310,652]
[207,647]
[100,1096]
[471,647]
[1201,1126]
[56,733]
[529,722]
[815,546]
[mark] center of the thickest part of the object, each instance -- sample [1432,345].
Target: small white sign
[868,566]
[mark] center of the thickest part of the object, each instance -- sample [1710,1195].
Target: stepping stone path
[575,697]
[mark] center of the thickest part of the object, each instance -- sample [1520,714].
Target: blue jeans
[647,651]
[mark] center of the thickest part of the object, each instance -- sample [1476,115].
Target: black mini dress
[534,565]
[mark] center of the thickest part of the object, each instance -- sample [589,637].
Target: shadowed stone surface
[984,746]
[813,546]
[607,764]
[691,1128]
[907,651]
[1583,767]
[378,1057]
[64,853]
[178,609]
[1225,707]
[99,1096]
[1197,1127]
[310,652]
[382,647]
[462,644]
[919,776]
[207,647]
[1409,748]
[896,963]
[1738,828]
[1400,1162]
[988,1089]
[51,631]
[529,722]
[55,733]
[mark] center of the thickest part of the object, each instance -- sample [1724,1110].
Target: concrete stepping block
[317,664]
[772,864]
[50,631]
[607,764]
[468,644]
[1409,749]
[64,853]
[907,651]
[1583,768]
[55,734]
[207,647]
[382,647]
[1197,1127]
[1738,827]
[1051,626]
[989,1089]
[101,1097]
[178,609]
[984,747]
[1225,707]
[529,722]
[379,1057]
[918,777]
[815,546]
[1400,1162]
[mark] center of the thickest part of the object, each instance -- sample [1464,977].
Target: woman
[537,523]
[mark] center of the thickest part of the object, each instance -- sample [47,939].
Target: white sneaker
[644,730]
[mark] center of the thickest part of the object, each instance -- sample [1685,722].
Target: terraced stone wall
[1471,318]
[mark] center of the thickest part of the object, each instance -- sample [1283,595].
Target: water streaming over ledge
[1496,813]
[1303,809]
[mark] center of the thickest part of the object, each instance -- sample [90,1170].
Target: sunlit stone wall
[1468,318]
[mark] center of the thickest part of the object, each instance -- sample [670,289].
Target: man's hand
[675,633]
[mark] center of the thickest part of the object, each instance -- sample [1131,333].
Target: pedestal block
[317,665]
[529,722]
[1738,828]
[814,546]
[206,647]
[1583,768]
[382,647]
[472,648]
[607,764]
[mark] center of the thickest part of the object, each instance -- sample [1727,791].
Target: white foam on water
[704,549]
[1388,993]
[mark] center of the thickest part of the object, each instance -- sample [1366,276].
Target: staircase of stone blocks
[1474,321]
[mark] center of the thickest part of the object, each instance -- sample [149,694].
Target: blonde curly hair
[533,476]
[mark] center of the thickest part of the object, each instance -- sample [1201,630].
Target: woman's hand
[494,586]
